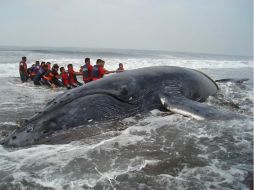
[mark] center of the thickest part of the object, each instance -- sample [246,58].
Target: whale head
[21,136]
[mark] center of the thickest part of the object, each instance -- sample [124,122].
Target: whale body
[176,89]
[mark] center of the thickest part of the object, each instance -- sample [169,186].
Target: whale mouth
[20,136]
[9,139]
[117,97]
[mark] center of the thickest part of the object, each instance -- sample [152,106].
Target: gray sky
[203,26]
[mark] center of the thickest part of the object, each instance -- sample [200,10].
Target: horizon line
[132,49]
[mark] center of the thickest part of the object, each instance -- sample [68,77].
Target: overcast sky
[204,26]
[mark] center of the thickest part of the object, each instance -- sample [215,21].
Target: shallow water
[157,151]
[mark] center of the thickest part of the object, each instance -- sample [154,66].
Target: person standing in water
[73,76]
[87,71]
[49,65]
[120,68]
[65,78]
[99,71]
[34,70]
[51,77]
[23,70]
[42,71]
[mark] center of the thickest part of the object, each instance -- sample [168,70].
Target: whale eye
[195,96]
[14,137]
[124,91]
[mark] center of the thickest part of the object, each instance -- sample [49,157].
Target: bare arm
[108,72]
[78,73]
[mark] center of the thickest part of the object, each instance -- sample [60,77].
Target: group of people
[43,74]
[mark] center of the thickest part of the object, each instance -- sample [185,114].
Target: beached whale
[177,89]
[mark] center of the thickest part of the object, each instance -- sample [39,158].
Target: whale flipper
[197,110]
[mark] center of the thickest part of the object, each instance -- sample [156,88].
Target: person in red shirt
[23,70]
[87,71]
[65,78]
[99,71]
[73,76]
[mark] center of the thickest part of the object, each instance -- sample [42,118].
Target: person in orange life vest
[87,71]
[65,78]
[99,71]
[23,70]
[51,77]
[120,68]
[72,76]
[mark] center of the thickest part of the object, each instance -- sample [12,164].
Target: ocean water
[157,151]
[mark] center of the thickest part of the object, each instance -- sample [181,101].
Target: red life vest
[22,66]
[72,77]
[65,79]
[50,75]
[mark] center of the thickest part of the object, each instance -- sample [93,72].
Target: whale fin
[197,110]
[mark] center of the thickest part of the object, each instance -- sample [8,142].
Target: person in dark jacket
[99,71]
[87,71]
[42,71]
